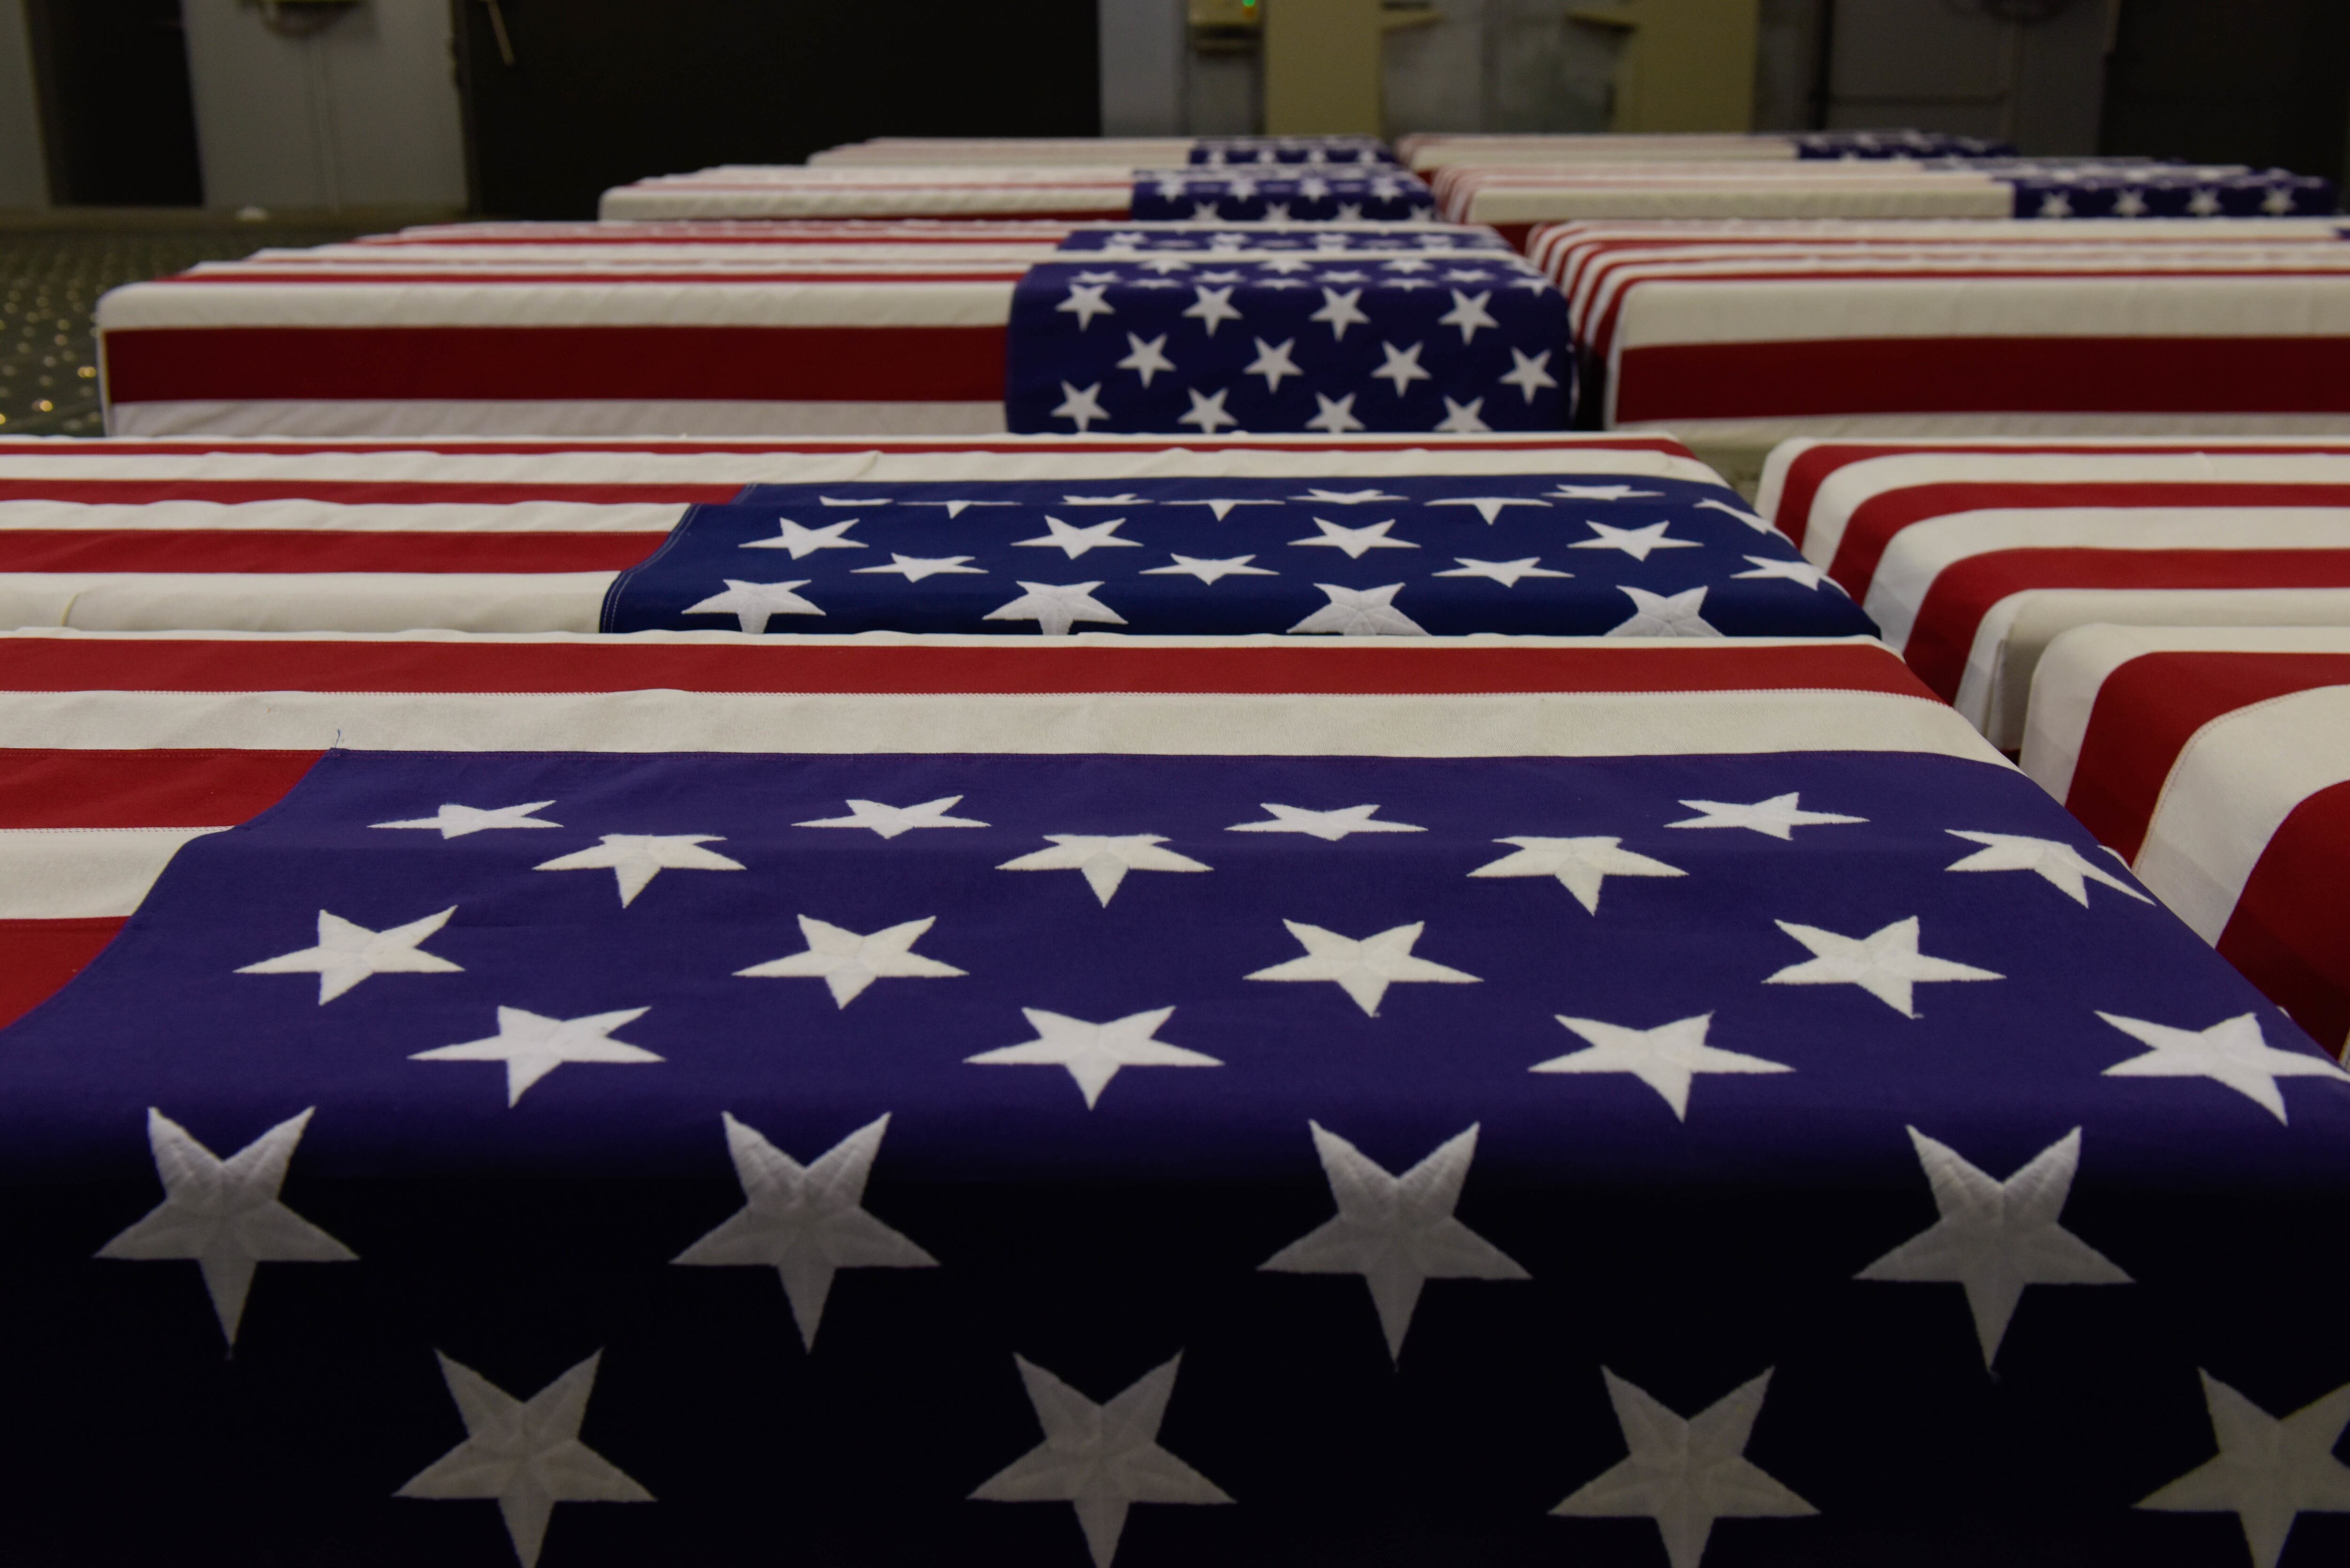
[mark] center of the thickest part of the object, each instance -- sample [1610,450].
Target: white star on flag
[2055,206]
[1886,963]
[1995,1238]
[1566,491]
[1777,817]
[525,1454]
[1407,263]
[1220,506]
[1355,541]
[1211,307]
[805,1222]
[1363,970]
[2232,1052]
[1056,607]
[1801,573]
[1272,363]
[1463,418]
[223,1214]
[1489,507]
[1275,213]
[1664,615]
[1338,311]
[1581,865]
[1123,498]
[1345,498]
[1086,300]
[2060,865]
[1093,1053]
[2204,203]
[890,821]
[348,954]
[1337,415]
[2277,202]
[1637,543]
[1103,1458]
[1207,410]
[1667,1058]
[1468,314]
[1081,406]
[1361,612]
[1506,573]
[2269,1470]
[847,961]
[1402,366]
[1148,358]
[1209,571]
[1330,826]
[531,1045]
[454,821]
[1397,1231]
[1104,858]
[2129,204]
[751,604]
[636,858]
[914,568]
[1685,1473]
[1075,541]
[956,508]
[800,540]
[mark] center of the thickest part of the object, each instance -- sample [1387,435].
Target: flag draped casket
[1110,152]
[704,328]
[1432,151]
[1363,535]
[863,190]
[2215,759]
[1971,557]
[1076,1029]
[1750,337]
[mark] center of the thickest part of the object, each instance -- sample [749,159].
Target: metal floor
[51,279]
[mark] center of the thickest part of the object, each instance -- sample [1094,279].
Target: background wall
[24,182]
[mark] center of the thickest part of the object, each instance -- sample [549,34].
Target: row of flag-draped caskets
[1124,1100]
[931,326]
[1757,332]
[1624,536]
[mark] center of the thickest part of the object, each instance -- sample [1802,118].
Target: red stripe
[343,491]
[42,787]
[37,957]
[2290,932]
[1877,520]
[150,663]
[322,550]
[754,364]
[2151,707]
[1984,374]
[1812,467]
[1963,592]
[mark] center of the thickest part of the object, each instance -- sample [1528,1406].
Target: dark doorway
[2235,81]
[601,92]
[116,112]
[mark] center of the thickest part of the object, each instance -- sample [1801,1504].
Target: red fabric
[2147,712]
[785,364]
[156,663]
[175,787]
[38,956]
[1983,375]
[2290,932]
[1963,592]
[315,550]
[1877,520]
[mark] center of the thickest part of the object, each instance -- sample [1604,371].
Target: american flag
[1458,344]
[1138,1104]
[1309,194]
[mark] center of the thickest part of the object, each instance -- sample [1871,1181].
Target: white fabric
[304,602]
[303,515]
[83,873]
[585,421]
[909,300]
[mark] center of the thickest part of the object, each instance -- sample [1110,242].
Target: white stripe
[1853,483]
[2004,657]
[604,302]
[414,417]
[304,602]
[1557,724]
[1763,430]
[1923,196]
[2234,785]
[784,202]
[2076,665]
[83,873]
[372,517]
[1917,556]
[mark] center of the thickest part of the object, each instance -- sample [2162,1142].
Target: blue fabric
[1188,236]
[1897,144]
[1686,1257]
[2159,191]
[1329,196]
[1222,150]
[852,578]
[1290,343]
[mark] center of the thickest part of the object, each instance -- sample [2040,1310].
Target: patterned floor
[49,284]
